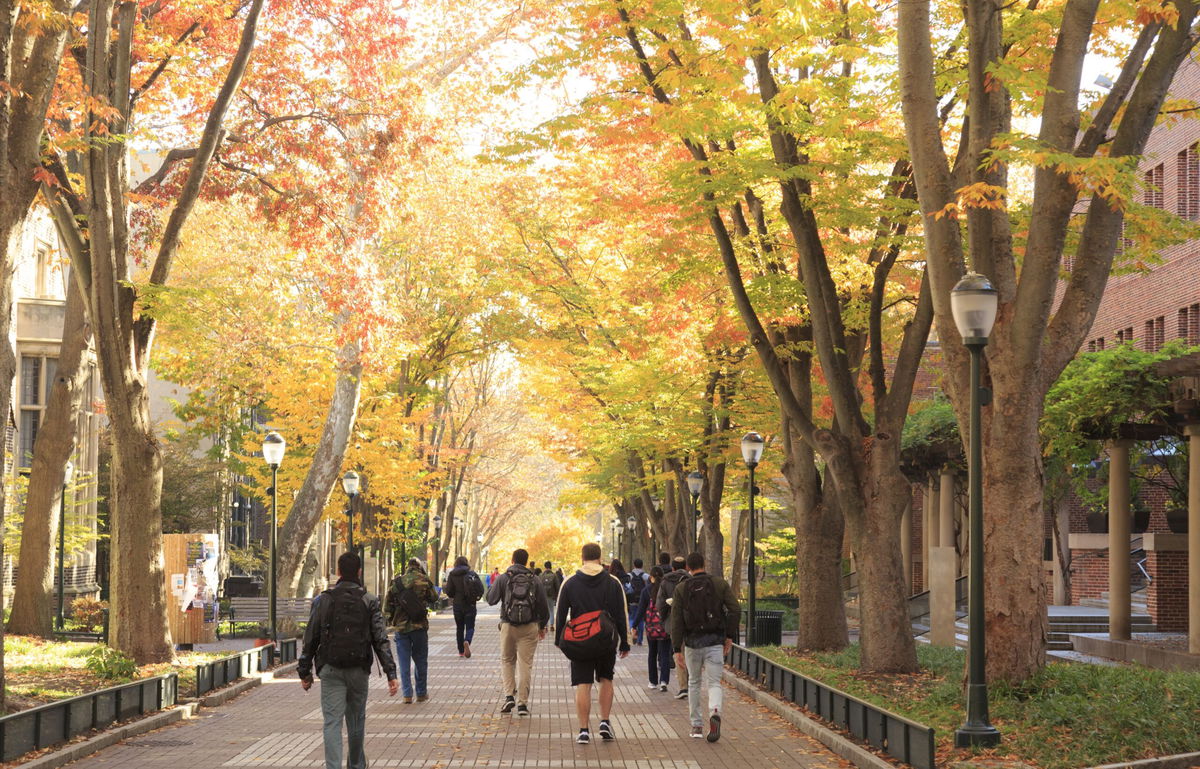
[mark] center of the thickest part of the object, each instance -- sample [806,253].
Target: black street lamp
[273,449]
[68,476]
[752,449]
[350,484]
[437,542]
[631,525]
[695,482]
[403,541]
[973,303]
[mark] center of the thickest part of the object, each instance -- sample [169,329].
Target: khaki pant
[681,673]
[517,645]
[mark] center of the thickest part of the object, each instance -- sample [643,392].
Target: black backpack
[549,583]
[472,586]
[666,592]
[412,607]
[703,611]
[637,583]
[520,595]
[346,628]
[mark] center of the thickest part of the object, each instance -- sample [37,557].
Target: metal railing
[905,740]
[288,651]
[218,673]
[919,611]
[58,722]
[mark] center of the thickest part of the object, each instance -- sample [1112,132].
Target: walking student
[550,583]
[345,627]
[523,618]
[593,628]
[658,652]
[408,601]
[676,573]
[637,585]
[704,617]
[464,588]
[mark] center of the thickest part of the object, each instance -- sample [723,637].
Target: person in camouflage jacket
[412,636]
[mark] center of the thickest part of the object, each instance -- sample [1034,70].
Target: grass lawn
[38,671]
[1069,715]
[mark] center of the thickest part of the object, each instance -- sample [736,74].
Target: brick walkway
[279,725]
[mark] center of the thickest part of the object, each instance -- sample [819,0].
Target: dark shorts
[590,671]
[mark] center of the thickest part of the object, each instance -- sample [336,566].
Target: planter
[1097,523]
[1177,520]
[1141,520]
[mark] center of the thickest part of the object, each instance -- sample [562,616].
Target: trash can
[768,630]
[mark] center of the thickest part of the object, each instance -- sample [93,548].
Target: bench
[254,609]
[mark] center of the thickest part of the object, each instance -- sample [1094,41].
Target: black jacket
[541,609]
[666,590]
[456,587]
[310,655]
[682,636]
[591,590]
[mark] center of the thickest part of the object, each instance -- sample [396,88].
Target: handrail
[902,738]
[922,600]
[57,722]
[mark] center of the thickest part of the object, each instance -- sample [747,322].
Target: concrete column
[942,569]
[1193,433]
[1120,522]
[946,513]
[906,543]
[927,526]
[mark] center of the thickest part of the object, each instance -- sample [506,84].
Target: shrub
[88,612]
[109,663]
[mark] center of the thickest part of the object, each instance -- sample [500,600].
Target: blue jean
[464,623]
[658,660]
[344,697]
[705,664]
[413,648]
[640,627]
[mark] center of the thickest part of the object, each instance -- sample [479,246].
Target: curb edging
[69,753]
[837,743]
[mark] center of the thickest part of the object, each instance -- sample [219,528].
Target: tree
[1048,262]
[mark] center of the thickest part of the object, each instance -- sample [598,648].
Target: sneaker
[714,727]
[681,694]
[651,686]
[422,698]
[584,737]
[467,649]
[408,700]
[606,731]
[510,702]
[522,709]
[697,732]
[662,687]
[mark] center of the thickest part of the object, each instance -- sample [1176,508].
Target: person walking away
[704,616]
[345,627]
[550,583]
[659,655]
[593,629]
[666,592]
[523,619]
[408,601]
[464,588]
[637,586]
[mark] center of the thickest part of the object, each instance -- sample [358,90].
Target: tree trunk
[33,596]
[305,514]
[308,574]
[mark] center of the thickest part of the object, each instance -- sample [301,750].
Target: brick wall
[1089,574]
[1167,596]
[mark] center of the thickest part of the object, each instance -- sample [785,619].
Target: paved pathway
[279,725]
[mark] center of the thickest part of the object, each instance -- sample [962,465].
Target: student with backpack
[408,602]
[675,573]
[658,656]
[550,583]
[464,588]
[593,628]
[637,586]
[345,627]
[704,617]
[523,619]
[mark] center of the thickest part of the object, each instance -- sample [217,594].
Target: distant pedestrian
[495,575]
[523,619]
[345,627]
[666,592]
[637,585]
[464,588]
[704,617]
[593,628]
[408,602]
[550,583]
[658,656]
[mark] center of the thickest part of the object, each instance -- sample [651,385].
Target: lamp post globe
[752,449]
[695,482]
[68,477]
[350,484]
[974,303]
[273,449]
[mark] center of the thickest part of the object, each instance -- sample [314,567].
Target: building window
[1155,334]
[1188,181]
[1092,346]
[1100,343]
[37,377]
[1189,324]
[1152,191]
[1124,335]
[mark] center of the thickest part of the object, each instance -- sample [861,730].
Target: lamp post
[458,531]
[752,449]
[437,542]
[973,303]
[695,482]
[273,449]
[403,542]
[479,543]
[350,484]
[68,476]
[631,525]
[614,545]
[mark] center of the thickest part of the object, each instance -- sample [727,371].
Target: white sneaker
[651,686]
[662,687]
